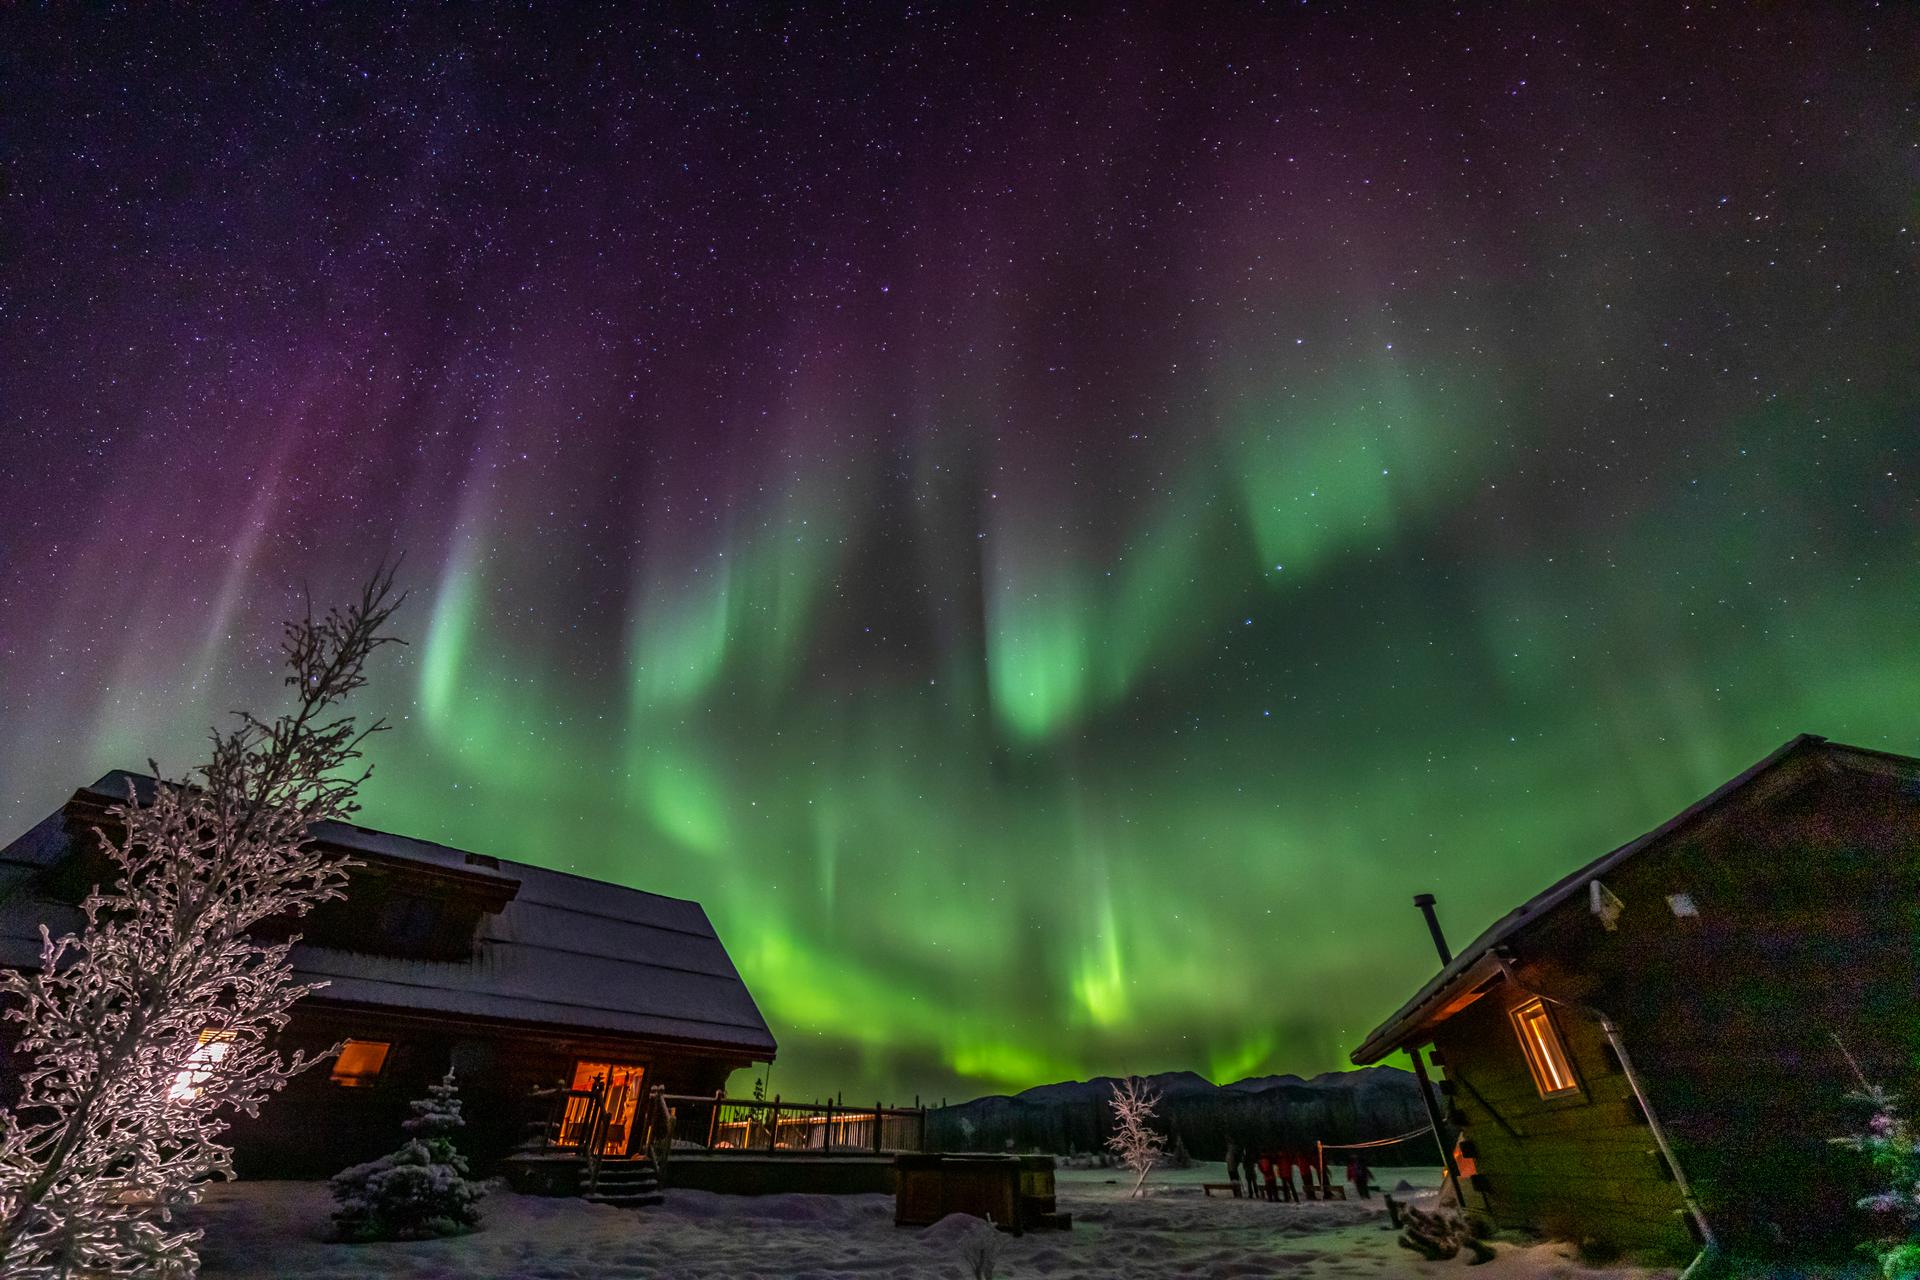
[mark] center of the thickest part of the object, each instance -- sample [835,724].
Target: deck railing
[719,1124]
[571,1119]
[576,1120]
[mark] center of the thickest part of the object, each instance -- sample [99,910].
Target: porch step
[638,1200]
[627,1184]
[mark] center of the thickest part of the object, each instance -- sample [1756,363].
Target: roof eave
[1415,1022]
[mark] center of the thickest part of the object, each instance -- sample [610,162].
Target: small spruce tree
[418,1192]
[1893,1150]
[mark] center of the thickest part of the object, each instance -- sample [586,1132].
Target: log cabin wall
[315,1127]
[1583,1166]
[1803,940]
[1746,951]
[1759,957]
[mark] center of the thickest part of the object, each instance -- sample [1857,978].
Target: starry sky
[1051,528]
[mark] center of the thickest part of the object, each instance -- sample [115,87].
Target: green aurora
[1052,623]
[1059,853]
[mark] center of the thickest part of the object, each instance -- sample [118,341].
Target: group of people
[1268,1175]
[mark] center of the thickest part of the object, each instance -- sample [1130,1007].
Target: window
[213,1045]
[1546,1052]
[359,1062]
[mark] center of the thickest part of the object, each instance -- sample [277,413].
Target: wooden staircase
[625,1184]
[561,1153]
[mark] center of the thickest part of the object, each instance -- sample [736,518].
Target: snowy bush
[979,1251]
[421,1190]
[146,1031]
[1893,1150]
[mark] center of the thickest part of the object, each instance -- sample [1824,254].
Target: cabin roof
[553,949]
[1476,964]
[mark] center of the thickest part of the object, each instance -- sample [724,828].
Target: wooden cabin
[517,977]
[1658,1046]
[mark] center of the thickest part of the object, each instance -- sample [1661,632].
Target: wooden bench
[1211,1187]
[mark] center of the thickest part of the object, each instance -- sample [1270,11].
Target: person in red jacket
[1283,1171]
[1304,1160]
[1267,1177]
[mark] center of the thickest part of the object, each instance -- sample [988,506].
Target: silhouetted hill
[1254,1084]
[1266,1111]
[1169,1084]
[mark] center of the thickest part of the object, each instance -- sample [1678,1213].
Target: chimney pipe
[1424,901]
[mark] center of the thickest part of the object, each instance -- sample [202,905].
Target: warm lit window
[212,1047]
[359,1062]
[1546,1052]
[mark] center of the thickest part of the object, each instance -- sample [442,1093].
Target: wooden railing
[719,1124]
[576,1121]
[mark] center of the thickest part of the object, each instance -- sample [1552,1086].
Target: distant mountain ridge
[1176,1083]
[1274,1110]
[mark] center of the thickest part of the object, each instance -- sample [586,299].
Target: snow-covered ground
[279,1229]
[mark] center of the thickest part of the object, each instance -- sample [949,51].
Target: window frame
[210,1048]
[1537,1049]
[361,1079]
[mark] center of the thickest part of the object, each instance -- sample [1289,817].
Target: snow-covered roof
[551,949]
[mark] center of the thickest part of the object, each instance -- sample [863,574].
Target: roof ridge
[1383,1039]
[101,787]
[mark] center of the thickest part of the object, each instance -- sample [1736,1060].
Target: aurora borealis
[1051,529]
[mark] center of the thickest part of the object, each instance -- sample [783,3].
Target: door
[621,1082]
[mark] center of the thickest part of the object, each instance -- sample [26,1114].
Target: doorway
[621,1081]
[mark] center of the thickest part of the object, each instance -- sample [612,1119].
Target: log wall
[1583,1166]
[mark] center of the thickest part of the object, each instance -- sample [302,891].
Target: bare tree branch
[152,1026]
[1134,1139]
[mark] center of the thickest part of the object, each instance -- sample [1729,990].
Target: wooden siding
[1805,940]
[315,1127]
[1583,1165]
[1808,897]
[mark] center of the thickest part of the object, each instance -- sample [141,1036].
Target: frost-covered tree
[979,1250]
[1134,1138]
[144,1032]
[421,1190]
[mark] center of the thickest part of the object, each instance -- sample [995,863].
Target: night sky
[1051,529]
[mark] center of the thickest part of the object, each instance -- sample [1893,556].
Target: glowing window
[359,1062]
[1546,1052]
[214,1044]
